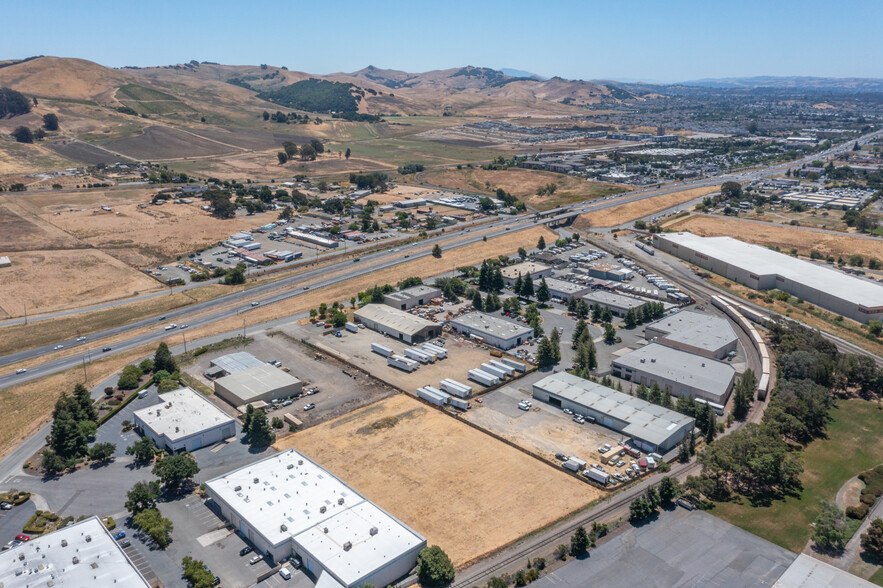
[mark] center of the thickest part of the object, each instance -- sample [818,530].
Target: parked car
[567,411]
[125,544]
[605,448]
[287,402]
[246,550]
[119,535]
[255,560]
[579,420]
[560,457]
[310,406]
[22,538]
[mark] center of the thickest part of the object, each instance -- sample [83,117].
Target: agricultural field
[523,184]
[157,143]
[617,215]
[411,149]
[85,153]
[855,424]
[20,158]
[466,492]
[22,230]
[149,101]
[784,237]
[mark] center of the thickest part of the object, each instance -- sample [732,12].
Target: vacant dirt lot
[53,280]
[465,491]
[167,143]
[784,237]
[616,215]
[523,184]
[21,231]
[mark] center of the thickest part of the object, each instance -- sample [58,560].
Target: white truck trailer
[403,363]
[456,388]
[381,350]
[483,377]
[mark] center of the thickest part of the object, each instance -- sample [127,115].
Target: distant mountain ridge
[791,82]
[520,73]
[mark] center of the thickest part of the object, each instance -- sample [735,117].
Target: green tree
[711,427]
[555,340]
[197,573]
[579,332]
[527,286]
[541,243]
[434,567]
[236,275]
[163,360]
[348,153]
[683,451]
[640,509]
[543,294]
[23,134]
[609,334]
[177,470]
[84,406]
[744,394]
[259,432]
[155,526]
[50,121]
[129,378]
[579,542]
[669,489]
[477,304]
[546,356]
[144,450]
[437,251]
[731,190]
[142,496]
[830,528]
[522,253]
[872,541]
[102,451]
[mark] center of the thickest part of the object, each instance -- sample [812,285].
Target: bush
[857,512]
[110,523]
[129,378]
[434,567]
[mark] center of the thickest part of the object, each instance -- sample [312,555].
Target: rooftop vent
[290,466]
[325,530]
[373,531]
[340,501]
[643,360]
[76,560]
[652,360]
[283,527]
[322,509]
[300,462]
[88,538]
[64,542]
[177,430]
[237,488]
[256,480]
[703,364]
[347,546]
[94,565]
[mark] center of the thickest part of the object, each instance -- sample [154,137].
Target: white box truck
[597,475]
[352,327]
[460,403]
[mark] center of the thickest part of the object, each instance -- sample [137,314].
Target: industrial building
[184,421]
[396,323]
[565,290]
[694,332]
[264,382]
[82,554]
[607,271]
[677,372]
[535,270]
[651,427]
[763,269]
[288,505]
[492,330]
[808,572]
[617,303]
[232,363]
[411,297]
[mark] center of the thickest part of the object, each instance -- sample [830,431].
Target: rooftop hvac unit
[256,480]
[340,501]
[64,542]
[643,360]
[322,509]
[283,528]
[325,530]
[652,360]
[373,531]
[300,462]
[88,538]
[237,488]
[347,546]
[76,560]
[290,466]
[177,430]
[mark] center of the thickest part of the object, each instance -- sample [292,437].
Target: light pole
[183,336]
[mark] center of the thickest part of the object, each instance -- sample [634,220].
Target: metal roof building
[492,330]
[411,297]
[83,554]
[651,427]
[536,271]
[695,332]
[565,290]
[264,382]
[184,420]
[763,269]
[396,323]
[617,303]
[236,362]
[287,504]
[808,572]
[678,372]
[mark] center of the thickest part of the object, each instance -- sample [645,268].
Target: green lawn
[854,444]
[877,578]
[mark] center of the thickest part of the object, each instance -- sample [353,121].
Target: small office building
[694,332]
[565,290]
[411,297]
[396,323]
[535,270]
[618,304]
[262,383]
[493,330]
[184,421]
[651,427]
[287,505]
[677,372]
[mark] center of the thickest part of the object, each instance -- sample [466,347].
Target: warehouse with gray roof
[678,372]
[763,269]
[651,427]
[564,290]
[618,304]
[264,382]
[396,323]
[493,330]
[695,332]
[411,297]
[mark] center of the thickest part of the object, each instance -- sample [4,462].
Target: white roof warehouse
[763,269]
[695,332]
[651,427]
[492,330]
[184,420]
[287,504]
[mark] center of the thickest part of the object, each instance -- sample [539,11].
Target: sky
[625,40]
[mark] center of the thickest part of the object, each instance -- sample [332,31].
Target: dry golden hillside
[59,77]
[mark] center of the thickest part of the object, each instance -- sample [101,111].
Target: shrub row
[873,480]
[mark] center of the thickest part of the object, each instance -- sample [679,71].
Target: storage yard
[466,491]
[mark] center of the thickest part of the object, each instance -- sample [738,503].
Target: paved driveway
[12,521]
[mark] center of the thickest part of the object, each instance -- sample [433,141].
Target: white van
[285,573]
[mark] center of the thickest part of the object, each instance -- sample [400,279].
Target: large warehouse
[536,271]
[264,382]
[492,330]
[288,505]
[678,372]
[695,332]
[396,323]
[82,554]
[184,421]
[651,427]
[763,269]
[564,290]
[411,297]
[618,304]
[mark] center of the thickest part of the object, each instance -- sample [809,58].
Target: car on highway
[22,538]
[310,406]
[162,318]
[255,559]
[120,535]
[184,326]
[246,550]
[171,326]
[106,349]
[255,303]
[20,371]
[80,339]
[57,347]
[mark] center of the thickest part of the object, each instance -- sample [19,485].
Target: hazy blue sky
[666,40]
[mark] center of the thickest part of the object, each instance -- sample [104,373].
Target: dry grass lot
[21,230]
[523,184]
[616,215]
[52,280]
[785,237]
[459,488]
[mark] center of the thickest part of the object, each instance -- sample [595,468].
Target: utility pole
[183,336]
[85,379]
[26,313]
[243,329]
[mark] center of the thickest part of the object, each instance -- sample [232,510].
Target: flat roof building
[494,331]
[184,421]
[83,554]
[396,323]
[411,297]
[694,332]
[236,362]
[677,372]
[565,290]
[287,505]
[763,269]
[264,382]
[536,271]
[617,303]
[651,427]
[808,572]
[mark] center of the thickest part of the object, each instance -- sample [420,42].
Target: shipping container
[416,355]
[486,367]
[455,387]
[483,378]
[381,350]
[352,327]
[403,363]
[596,475]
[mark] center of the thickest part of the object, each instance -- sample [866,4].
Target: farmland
[158,142]
[466,491]
[146,100]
